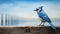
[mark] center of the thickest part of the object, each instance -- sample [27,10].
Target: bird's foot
[41,25]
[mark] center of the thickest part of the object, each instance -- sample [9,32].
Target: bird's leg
[43,24]
[40,24]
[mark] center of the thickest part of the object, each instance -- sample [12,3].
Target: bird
[44,17]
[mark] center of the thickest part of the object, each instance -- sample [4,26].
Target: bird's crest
[39,9]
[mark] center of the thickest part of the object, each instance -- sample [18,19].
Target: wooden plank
[29,30]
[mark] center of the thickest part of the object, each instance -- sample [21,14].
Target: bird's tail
[52,26]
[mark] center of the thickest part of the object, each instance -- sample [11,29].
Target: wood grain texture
[28,30]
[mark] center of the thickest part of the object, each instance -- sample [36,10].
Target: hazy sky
[25,8]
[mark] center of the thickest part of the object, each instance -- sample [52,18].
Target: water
[37,23]
[28,22]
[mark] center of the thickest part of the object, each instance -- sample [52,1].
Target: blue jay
[44,17]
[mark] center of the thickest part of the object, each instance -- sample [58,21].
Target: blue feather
[52,26]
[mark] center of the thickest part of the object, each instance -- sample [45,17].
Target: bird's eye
[37,9]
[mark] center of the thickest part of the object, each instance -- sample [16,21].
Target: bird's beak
[36,9]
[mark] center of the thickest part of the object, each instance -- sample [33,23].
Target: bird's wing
[44,16]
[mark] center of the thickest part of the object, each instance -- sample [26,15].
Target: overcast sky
[24,8]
